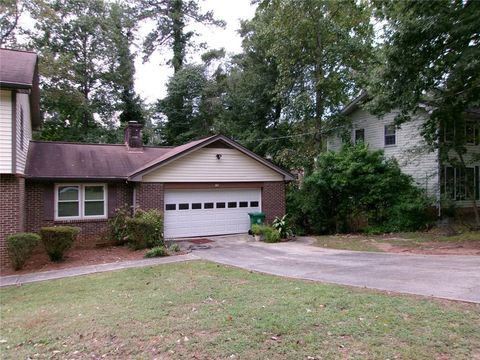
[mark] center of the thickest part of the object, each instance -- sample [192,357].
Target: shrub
[270,235]
[174,247]
[157,251]
[145,229]
[57,240]
[357,186]
[118,225]
[257,229]
[20,247]
[282,226]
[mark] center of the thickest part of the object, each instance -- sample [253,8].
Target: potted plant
[257,231]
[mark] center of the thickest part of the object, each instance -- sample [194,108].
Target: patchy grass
[467,243]
[205,311]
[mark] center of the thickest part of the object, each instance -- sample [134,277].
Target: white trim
[385,135]
[81,202]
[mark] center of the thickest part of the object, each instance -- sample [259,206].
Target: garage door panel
[209,221]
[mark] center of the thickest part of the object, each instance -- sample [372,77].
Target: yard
[434,243]
[202,310]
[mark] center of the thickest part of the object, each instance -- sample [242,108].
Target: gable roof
[19,70]
[354,104]
[62,160]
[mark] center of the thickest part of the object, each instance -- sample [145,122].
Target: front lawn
[467,243]
[199,310]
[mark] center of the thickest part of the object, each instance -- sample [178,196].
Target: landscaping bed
[427,243]
[200,310]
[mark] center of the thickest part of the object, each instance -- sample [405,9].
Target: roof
[354,104]
[62,160]
[19,70]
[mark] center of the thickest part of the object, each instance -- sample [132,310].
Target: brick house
[205,187]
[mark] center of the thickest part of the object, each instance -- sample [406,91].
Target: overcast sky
[151,77]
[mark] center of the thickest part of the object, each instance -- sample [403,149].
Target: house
[406,144]
[205,187]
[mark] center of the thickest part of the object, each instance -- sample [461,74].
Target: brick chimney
[133,135]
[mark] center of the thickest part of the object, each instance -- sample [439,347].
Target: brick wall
[273,200]
[12,210]
[149,196]
[40,208]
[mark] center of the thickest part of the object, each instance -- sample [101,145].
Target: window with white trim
[390,135]
[359,135]
[80,201]
[460,184]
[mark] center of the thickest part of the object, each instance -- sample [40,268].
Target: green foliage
[257,229]
[57,240]
[118,225]
[356,188]
[145,229]
[282,226]
[157,251]
[270,235]
[174,248]
[20,247]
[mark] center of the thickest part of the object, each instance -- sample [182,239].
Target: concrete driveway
[449,277]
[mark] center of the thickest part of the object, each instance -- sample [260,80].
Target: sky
[151,77]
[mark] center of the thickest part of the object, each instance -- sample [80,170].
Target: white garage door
[209,212]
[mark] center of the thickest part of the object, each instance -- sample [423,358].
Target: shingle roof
[17,68]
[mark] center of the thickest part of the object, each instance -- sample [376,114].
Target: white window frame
[355,140]
[385,135]
[81,200]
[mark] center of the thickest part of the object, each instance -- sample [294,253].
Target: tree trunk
[178,35]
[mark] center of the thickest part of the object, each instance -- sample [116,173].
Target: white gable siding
[23,105]
[202,165]
[409,150]
[5,132]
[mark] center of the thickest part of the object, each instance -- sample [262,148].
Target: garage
[191,213]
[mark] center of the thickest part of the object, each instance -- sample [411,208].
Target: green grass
[205,311]
[410,240]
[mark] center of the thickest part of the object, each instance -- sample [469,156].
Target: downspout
[134,200]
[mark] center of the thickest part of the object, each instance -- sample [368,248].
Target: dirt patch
[200,241]
[432,248]
[77,257]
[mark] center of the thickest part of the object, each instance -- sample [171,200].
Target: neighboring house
[205,187]
[19,114]
[406,144]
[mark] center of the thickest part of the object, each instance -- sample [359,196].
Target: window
[80,201]
[243,204]
[220,205]
[459,184]
[170,207]
[183,206]
[208,206]
[472,133]
[253,203]
[390,135]
[196,206]
[232,205]
[359,135]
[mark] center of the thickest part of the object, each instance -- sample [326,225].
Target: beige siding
[410,149]
[23,105]
[203,166]
[5,132]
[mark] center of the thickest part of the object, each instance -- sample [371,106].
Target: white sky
[151,78]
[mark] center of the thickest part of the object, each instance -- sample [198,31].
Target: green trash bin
[256,218]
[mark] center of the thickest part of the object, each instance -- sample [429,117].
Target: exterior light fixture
[219,156]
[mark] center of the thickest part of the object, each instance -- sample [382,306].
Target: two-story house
[406,144]
[19,115]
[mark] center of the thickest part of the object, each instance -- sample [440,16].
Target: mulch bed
[200,241]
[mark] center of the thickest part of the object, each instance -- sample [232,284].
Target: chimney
[133,135]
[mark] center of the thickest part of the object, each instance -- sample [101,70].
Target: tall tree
[10,12]
[76,49]
[431,59]
[318,46]
[172,17]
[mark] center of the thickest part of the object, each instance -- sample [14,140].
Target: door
[190,213]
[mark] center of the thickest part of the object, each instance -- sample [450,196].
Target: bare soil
[433,248]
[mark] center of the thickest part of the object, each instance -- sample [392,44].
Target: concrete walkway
[89,269]
[448,277]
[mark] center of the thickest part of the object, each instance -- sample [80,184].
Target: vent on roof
[133,135]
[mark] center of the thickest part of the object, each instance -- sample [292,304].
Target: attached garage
[209,212]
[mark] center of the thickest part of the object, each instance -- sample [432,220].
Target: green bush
[270,235]
[118,225]
[57,240]
[20,247]
[257,229]
[282,226]
[357,189]
[174,247]
[145,229]
[157,251]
